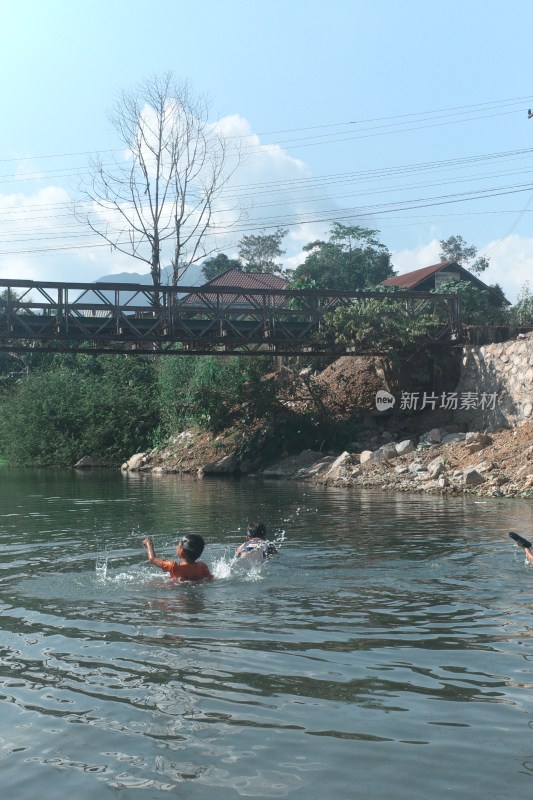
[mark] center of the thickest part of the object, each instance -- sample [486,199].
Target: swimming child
[256,541]
[523,543]
[188,549]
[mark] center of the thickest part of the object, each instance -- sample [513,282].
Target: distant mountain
[193,277]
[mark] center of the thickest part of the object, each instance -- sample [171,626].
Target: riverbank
[499,464]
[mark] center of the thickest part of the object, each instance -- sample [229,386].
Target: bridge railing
[118,317]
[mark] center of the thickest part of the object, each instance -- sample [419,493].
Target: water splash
[101,570]
[248,568]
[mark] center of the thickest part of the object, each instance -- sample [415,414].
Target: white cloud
[417,257]
[511,264]
[41,239]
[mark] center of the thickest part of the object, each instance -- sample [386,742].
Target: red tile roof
[235,279]
[247,280]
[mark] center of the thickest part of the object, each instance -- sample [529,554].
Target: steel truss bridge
[132,318]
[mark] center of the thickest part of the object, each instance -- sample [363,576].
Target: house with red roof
[430,278]
[246,282]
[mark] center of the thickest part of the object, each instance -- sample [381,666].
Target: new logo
[384,400]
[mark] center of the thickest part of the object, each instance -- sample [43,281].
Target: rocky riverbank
[473,448]
[496,464]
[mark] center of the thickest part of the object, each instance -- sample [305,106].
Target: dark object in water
[520,539]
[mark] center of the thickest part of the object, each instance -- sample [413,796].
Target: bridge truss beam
[131,318]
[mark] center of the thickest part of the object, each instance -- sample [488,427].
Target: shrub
[80,405]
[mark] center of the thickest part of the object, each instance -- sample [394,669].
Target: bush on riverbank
[212,392]
[74,405]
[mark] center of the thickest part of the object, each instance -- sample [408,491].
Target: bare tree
[159,202]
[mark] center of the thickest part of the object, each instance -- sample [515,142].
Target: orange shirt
[197,571]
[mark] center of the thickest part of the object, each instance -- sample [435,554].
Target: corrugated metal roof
[411,279]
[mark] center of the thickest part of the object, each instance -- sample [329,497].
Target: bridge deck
[125,318]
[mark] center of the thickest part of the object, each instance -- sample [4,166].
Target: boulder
[385,453]
[401,470]
[405,447]
[434,436]
[475,437]
[316,469]
[471,477]
[365,456]
[290,466]
[136,462]
[436,467]
[338,468]
[453,437]
[226,466]
[475,447]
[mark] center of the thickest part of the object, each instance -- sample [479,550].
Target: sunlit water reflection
[386,651]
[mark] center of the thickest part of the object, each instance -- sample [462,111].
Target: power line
[450,111]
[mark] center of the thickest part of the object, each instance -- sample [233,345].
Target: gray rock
[385,453]
[405,447]
[226,466]
[136,462]
[453,437]
[471,477]
[434,435]
[474,447]
[475,437]
[338,468]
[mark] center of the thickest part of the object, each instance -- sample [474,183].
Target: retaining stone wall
[505,369]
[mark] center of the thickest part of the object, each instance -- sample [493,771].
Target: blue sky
[374,104]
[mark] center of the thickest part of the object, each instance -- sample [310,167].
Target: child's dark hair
[193,545]
[256,530]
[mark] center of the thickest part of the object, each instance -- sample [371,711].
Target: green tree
[478,306]
[377,325]
[521,313]
[456,249]
[79,405]
[218,264]
[212,392]
[352,259]
[259,253]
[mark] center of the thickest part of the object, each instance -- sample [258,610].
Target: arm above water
[152,558]
[529,554]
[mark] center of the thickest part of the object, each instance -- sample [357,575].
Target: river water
[386,652]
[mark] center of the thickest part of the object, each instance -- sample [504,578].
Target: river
[386,652]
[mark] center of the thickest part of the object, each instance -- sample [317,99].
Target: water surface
[387,651]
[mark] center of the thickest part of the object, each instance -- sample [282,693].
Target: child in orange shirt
[188,549]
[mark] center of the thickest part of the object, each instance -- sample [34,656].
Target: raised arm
[152,558]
